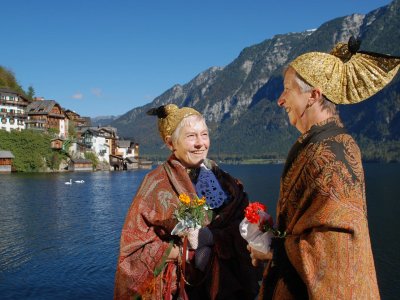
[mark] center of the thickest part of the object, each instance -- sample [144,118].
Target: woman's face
[191,146]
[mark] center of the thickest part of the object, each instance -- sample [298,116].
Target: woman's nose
[198,142]
[280,101]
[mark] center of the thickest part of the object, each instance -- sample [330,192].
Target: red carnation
[251,212]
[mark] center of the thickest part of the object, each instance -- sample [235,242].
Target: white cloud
[77,96]
[97,92]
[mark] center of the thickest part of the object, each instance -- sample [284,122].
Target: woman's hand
[200,237]
[174,254]
[258,257]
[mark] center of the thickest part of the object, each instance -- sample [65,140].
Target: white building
[101,141]
[127,149]
[12,110]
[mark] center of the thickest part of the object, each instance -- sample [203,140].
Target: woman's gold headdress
[169,116]
[346,75]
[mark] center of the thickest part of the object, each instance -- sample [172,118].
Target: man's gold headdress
[169,116]
[346,75]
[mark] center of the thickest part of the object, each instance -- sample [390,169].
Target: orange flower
[201,201]
[185,199]
[192,212]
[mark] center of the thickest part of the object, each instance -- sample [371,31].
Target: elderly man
[326,251]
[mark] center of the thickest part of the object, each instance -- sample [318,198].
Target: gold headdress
[169,116]
[346,75]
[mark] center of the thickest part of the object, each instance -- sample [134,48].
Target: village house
[76,118]
[80,164]
[47,114]
[57,144]
[101,140]
[126,155]
[77,121]
[127,149]
[12,110]
[6,159]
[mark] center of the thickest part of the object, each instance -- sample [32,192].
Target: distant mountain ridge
[239,100]
[103,120]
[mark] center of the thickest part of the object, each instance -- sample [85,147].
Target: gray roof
[40,107]
[123,143]
[6,154]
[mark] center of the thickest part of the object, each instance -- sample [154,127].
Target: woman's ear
[316,96]
[168,142]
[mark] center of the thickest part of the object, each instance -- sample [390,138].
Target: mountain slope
[239,100]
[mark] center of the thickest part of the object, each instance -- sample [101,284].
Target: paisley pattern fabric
[327,251]
[146,241]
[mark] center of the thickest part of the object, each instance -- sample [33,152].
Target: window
[3,120]
[12,121]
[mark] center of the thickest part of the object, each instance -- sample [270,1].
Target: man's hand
[258,257]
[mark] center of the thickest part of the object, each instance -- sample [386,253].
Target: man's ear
[168,142]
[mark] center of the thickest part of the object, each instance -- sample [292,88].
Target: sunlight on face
[191,147]
[293,100]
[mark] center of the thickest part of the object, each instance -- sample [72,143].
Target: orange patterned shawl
[146,241]
[327,252]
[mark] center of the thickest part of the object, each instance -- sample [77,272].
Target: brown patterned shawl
[146,241]
[327,252]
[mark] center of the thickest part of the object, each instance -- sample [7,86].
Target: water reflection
[61,241]
[58,240]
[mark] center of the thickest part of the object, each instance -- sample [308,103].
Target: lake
[61,241]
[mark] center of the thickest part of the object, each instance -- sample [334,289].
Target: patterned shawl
[146,241]
[327,252]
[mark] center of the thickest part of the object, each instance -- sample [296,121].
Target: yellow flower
[185,199]
[201,201]
[193,213]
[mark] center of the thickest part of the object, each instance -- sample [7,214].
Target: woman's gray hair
[325,103]
[305,87]
[190,120]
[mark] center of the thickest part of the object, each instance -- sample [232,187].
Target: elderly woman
[217,264]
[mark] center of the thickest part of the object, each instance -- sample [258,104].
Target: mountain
[239,100]
[102,120]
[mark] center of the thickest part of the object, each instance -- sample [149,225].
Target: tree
[31,92]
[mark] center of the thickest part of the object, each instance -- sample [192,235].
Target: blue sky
[103,57]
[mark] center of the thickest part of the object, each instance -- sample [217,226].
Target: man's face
[192,145]
[294,100]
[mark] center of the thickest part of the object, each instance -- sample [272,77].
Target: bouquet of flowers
[191,213]
[257,227]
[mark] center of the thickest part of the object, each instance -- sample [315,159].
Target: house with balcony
[47,114]
[101,140]
[12,110]
[76,118]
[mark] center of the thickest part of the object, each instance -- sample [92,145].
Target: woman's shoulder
[155,174]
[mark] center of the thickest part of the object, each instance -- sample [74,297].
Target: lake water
[61,241]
